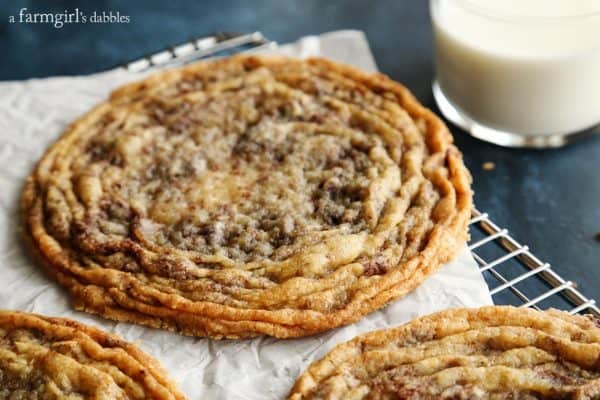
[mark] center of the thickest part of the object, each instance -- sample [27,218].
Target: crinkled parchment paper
[32,115]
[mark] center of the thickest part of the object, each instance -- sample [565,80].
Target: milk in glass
[530,67]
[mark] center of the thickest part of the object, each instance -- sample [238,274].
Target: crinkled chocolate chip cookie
[55,358]
[487,353]
[248,196]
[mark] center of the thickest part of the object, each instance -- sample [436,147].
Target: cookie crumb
[488,166]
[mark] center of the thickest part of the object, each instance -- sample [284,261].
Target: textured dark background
[548,199]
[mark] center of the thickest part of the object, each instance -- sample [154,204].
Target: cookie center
[241,174]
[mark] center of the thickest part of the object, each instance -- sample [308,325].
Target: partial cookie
[487,353]
[55,358]
[247,196]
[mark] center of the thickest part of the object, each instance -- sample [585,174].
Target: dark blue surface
[548,199]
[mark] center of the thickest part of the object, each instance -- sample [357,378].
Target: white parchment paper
[32,115]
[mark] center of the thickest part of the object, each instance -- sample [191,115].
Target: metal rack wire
[513,273]
[516,276]
[220,44]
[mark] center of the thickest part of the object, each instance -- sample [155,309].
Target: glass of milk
[523,73]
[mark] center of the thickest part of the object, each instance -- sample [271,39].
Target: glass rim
[487,12]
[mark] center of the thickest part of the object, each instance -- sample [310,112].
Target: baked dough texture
[488,353]
[247,196]
[56,358]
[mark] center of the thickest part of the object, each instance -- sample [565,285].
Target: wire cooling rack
[216,45]
[513,273]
